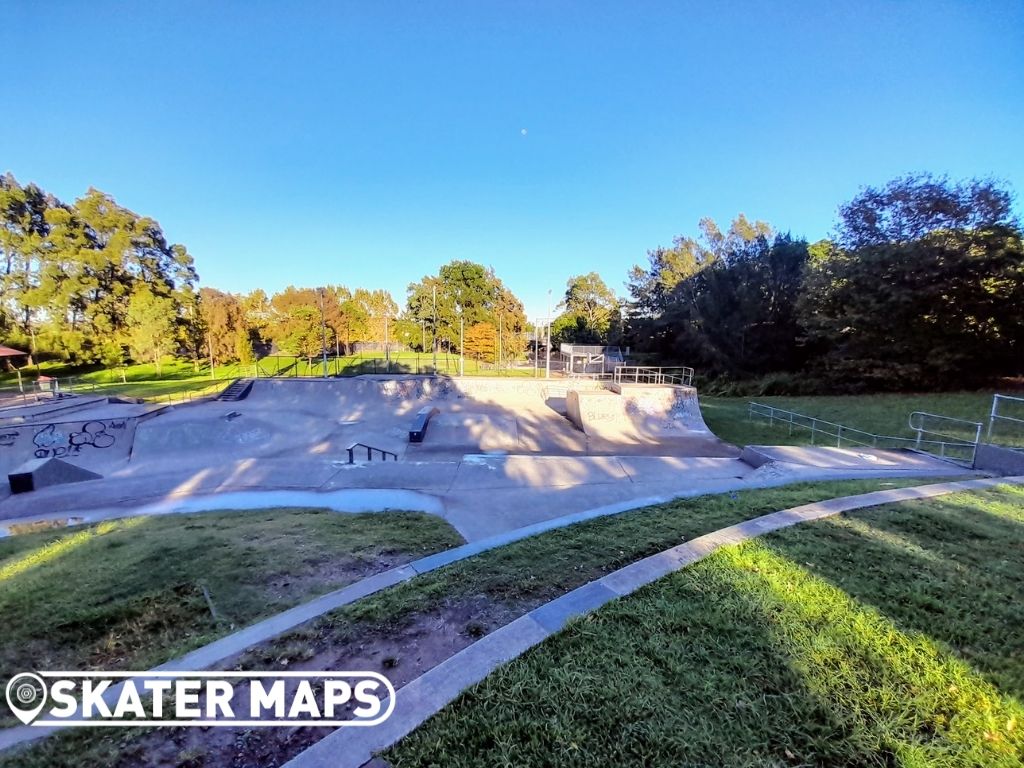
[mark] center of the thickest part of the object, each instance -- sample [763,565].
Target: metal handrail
[994,413]
[921,429]
[369,452]
[641,374]
[841,432]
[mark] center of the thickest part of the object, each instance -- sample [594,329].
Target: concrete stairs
[237,390]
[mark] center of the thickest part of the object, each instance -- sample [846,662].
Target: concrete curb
[432,691]
[276,625]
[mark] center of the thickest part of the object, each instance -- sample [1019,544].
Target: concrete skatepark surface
[500,454]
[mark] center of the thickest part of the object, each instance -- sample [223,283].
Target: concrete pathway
[432,691]
[514,490]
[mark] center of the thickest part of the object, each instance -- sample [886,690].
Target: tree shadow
[944,568]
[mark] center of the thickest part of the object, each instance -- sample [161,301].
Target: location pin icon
[26,696]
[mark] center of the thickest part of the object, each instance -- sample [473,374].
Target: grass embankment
[463,601]
[885,414]
[131,593]
[888,636]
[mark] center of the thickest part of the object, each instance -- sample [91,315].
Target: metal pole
[387,347]
[323,332]
[536,350]
[547,351]
[462,347]
[433,330]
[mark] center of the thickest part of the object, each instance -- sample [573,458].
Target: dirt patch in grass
[402,652]
[133,593]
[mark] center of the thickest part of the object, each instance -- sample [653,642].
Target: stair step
[237,390]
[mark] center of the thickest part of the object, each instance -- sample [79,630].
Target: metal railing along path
[955,450]
[994,417]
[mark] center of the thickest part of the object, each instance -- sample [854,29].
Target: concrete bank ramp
[40,473]
[648,412]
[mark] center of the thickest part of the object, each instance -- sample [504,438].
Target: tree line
[920,285]
[91,282]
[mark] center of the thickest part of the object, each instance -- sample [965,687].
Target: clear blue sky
[367,143]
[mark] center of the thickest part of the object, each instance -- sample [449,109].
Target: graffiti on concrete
[51,442]
[7,439]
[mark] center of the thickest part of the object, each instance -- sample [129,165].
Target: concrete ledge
[755,458]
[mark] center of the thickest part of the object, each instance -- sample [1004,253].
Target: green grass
[887,637]
[179,378]
[513,579]
[879,414]
[130,593]
[530,572]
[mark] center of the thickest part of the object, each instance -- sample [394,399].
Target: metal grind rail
[822,431]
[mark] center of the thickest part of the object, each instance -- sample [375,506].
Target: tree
[464,291]
[745,322]
[223,321]
[302,334]
[590,308]
[151,321]
[663,314]
[244,353]
[23,233]
[914,206]
[69,272]
[257,314]
[481,342]
[922,287]
[934,312]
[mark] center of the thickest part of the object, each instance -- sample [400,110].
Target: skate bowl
[319,417]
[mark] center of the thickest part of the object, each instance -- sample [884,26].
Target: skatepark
[496,453]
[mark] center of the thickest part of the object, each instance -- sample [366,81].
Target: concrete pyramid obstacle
[40,473]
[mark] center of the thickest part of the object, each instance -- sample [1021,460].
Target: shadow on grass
[947,568]
[815,646]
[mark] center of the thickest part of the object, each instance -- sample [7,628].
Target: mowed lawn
[132,593]
[883,414]
[884,637]
[178,379]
